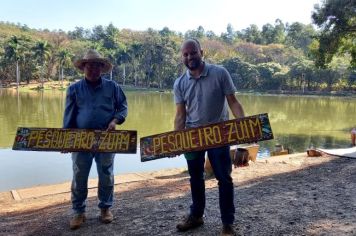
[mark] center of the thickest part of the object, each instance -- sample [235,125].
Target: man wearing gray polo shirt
[202,96]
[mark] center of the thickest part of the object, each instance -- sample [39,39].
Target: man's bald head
[192,55]
[191,41]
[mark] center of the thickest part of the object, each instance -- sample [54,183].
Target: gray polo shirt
[204,97]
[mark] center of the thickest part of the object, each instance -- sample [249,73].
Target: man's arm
[120,108]
[69,117]
[179,121]
[120,105]
[235,106]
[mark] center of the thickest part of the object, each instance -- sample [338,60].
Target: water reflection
[297,122]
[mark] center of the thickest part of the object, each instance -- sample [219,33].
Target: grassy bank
[57,85]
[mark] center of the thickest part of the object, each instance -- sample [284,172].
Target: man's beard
[193,64]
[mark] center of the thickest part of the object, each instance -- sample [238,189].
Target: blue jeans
[82,162]
[222,166]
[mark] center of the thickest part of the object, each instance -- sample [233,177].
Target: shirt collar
[98,86]
[203,74]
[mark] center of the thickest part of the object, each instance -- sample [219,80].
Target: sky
[178,16]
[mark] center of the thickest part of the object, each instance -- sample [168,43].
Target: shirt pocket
[106,103]
[80,101]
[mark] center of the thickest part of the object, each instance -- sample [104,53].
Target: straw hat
[93,56]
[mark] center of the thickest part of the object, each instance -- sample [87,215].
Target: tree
[15,51]
[216,51]
[109,40]
[229,36]
[199,33]
[165,62]
[302,73]
[211,35]
[267,72]
[251,53]
[64,57]
[98,33]
[136,52]
[273,34]
[79,33]
[267,34]
[166,32]
[279,31]
[244,75]
[300,36]
[122,57]
[252,34]
[42,53]
[337,20]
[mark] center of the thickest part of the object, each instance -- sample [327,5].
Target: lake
[298,122]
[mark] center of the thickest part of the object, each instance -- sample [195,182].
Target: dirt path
[290,195]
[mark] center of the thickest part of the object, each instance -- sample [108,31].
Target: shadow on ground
[318,200]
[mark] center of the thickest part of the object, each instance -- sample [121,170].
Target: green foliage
[337,21]
[300,36]
[244,75]
[251,34]
[267,72]
[278,57]
[273,34]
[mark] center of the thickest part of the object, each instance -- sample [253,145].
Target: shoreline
[57,85]
[289,194]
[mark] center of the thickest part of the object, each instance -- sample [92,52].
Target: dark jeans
[82,162]
[221,163]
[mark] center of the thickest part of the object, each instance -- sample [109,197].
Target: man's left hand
[112,125]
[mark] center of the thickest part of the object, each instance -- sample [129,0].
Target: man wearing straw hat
[93,103]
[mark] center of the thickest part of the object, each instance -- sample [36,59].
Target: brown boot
[190,222]
[227,230]
[106,216]
[77,221]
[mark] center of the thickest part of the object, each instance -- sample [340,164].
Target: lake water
[297,122]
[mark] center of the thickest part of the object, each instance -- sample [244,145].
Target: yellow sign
[245,130]
[74,140]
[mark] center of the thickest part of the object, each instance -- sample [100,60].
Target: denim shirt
[89,107]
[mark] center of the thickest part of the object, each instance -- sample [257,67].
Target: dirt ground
[285,195]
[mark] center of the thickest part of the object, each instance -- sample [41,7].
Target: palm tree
[64,56]
[136,52]
[42,53]
[110,54]
[122,58]
[15,51]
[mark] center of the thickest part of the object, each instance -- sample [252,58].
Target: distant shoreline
[58,85]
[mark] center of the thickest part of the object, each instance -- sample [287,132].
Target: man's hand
[179,120]
[112,125]
[235,106]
